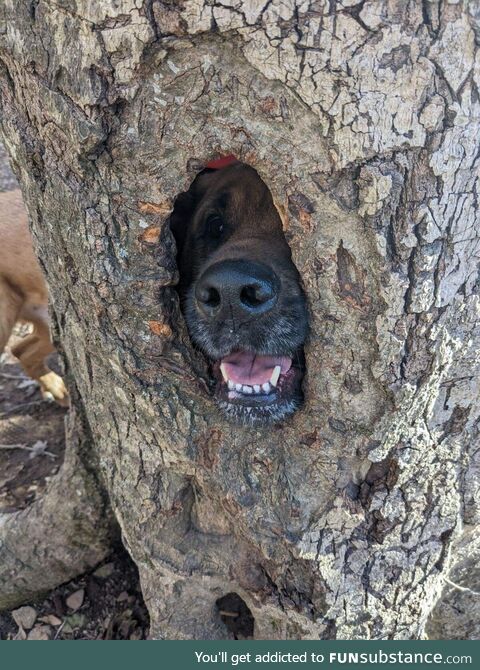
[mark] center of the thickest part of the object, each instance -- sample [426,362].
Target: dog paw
[53,388]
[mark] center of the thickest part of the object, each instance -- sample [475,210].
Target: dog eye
[214,226]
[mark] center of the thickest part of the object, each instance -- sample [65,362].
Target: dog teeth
[256,388]
[275,375]
[224,372]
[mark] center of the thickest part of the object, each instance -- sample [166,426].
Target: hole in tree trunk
[236,616]
[241,293]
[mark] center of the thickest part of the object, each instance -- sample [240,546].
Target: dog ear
[185,205]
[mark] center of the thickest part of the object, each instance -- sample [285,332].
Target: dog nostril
[256,295]
[235,287]
[209,296]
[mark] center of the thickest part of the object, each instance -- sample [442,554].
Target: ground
[106,604]
[31,436]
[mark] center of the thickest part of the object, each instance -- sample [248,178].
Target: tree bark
[62,535]
[363,119]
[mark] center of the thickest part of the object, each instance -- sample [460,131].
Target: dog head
[241,293]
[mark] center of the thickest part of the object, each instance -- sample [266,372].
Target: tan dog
[24,297]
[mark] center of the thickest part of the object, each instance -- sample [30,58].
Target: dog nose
[236,288]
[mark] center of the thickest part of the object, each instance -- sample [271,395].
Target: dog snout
[236,288]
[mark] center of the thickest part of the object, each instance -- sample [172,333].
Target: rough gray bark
[62,535]
[457,613]
[363,118]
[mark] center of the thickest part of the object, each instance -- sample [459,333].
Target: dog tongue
[244,367]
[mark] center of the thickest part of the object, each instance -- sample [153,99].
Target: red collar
[219,163]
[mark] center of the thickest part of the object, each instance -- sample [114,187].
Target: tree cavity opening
[236,616]
[241,293]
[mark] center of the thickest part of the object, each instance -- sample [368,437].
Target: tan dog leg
[10,305]
[32,352]
[24,297]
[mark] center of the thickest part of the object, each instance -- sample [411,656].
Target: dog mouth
[257,388]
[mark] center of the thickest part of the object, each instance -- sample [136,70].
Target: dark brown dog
[24,297]
[241,293]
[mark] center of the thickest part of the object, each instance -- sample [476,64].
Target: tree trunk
[363,119]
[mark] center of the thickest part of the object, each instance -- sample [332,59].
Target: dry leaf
[25,617]
[74,622]
[21,634]
[75,599]
[40,633]
[50,619]
[104,571]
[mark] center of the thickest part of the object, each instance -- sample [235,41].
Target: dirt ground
[105,604]
[31,435]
